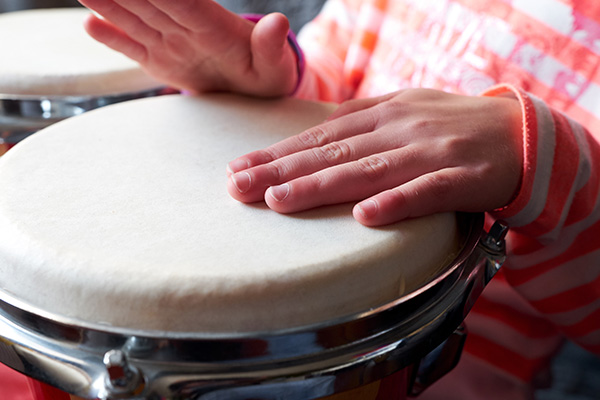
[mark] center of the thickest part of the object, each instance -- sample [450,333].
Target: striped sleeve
[338,45]
[554,246]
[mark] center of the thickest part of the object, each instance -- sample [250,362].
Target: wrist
[523,131]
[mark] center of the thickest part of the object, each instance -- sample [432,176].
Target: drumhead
[46,52]
[120,216]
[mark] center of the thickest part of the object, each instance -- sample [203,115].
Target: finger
[200,15]
[347,182]
[150,15]
[251,184]
[317,136]
[126,21]
[352,106]
[113,37]
[440,191]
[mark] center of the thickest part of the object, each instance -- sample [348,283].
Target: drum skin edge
[305,363]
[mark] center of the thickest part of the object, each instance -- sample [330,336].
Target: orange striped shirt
[547,52]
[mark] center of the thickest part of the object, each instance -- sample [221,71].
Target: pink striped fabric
[547,53]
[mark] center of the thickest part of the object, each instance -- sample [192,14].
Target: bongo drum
[127,271]
[51,69]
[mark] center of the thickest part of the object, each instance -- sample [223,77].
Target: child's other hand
[197,45]
[406,154]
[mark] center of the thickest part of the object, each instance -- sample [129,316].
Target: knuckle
[422,126]
[397,198]
[386,108]
[314,137]
[264,156]
[315,181]
[373,168]
[386,111]
[276,170]
[454,144]
[412,154]
[334,153]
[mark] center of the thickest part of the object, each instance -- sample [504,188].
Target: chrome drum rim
[309,362]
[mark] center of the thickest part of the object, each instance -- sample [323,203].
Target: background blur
[299,11]
[14,5]
[576,372]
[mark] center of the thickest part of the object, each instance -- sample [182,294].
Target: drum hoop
[22,115]
[390,337]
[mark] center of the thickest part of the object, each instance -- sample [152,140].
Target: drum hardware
[446,356]
[23,115]
[437,363]
[121,377]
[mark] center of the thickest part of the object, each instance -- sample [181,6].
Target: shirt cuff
[523,194]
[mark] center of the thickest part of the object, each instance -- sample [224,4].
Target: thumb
[273,57]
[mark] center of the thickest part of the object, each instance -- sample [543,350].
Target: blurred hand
[406,154]
[197,45]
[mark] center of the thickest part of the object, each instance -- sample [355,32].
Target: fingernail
[280,192]
[368,208]
[237,165]
[242,181]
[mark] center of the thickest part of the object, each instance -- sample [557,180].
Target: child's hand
[197,45]
[407,154]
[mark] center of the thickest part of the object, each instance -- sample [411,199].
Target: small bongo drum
[51,69]
[127,271]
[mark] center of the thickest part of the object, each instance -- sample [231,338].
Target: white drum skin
[46,52]
[121,217]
